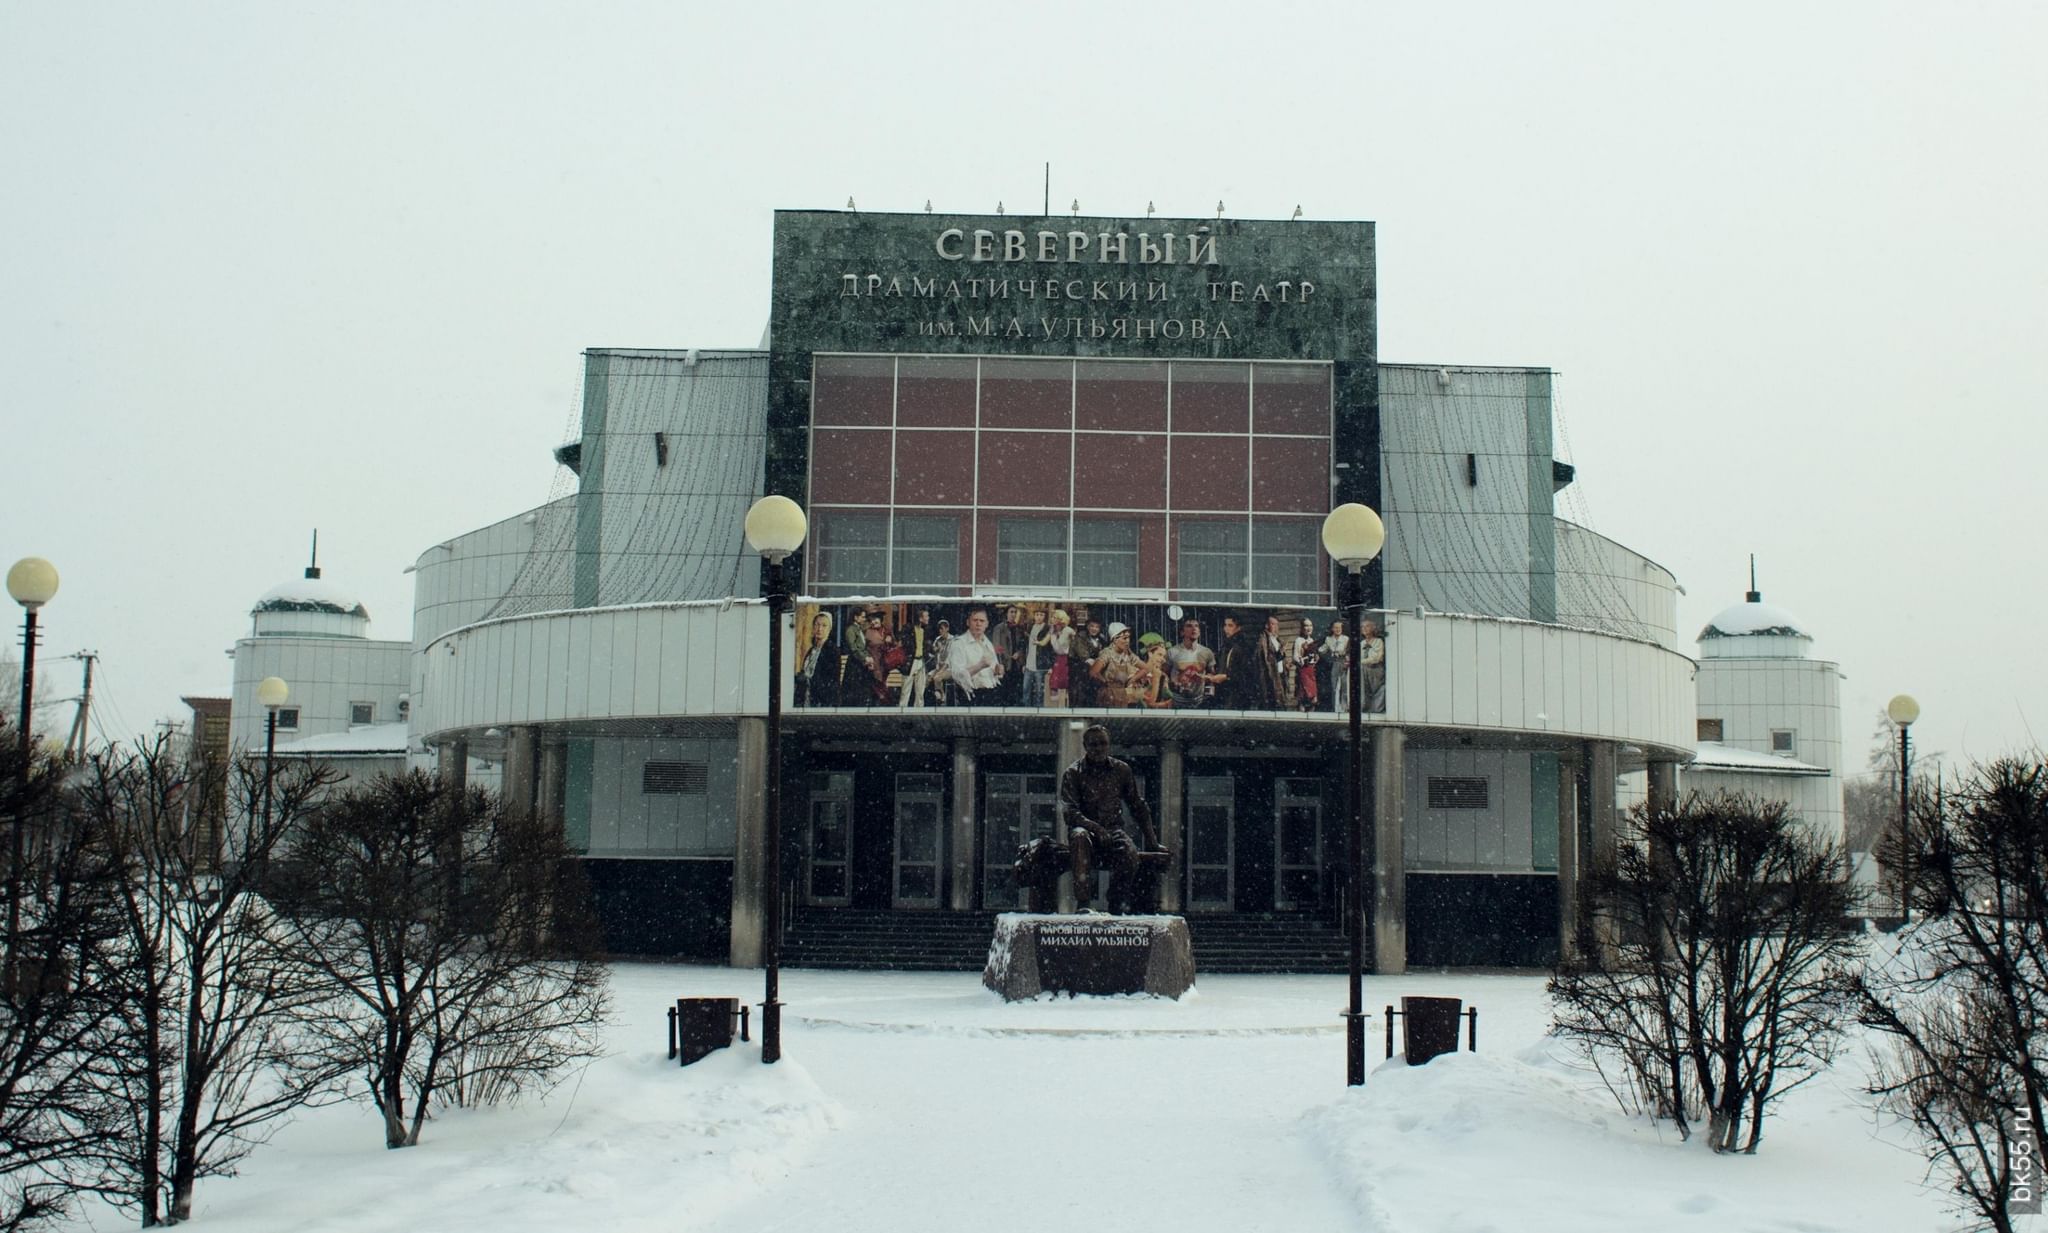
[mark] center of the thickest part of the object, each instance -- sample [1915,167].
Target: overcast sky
[272,266]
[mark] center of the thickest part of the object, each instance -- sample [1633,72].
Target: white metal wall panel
[1464,673]
[1500,692]
[1460,671]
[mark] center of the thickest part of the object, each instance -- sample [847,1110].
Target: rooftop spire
[313,565]
[1755,596]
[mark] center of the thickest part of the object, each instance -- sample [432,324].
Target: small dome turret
[310,607]
[1754,629]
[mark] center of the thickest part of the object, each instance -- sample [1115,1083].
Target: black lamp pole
[771,943]
[1907,844]
[269,757]
[1354,890]
[19,840]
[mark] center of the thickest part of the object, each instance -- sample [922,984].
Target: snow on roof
[310,595]
[370,740]
[1754,617]
[1714,756]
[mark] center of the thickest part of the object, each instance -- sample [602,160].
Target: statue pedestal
[1033,953]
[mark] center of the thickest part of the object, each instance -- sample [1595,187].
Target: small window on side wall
[1710,730]
[1783,742]
[287,717]
[1457,792]
[362,713]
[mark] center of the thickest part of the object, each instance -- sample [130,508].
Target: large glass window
[1105,554]
[852,553]
[1212,561]
[931,474]
[1286,561]
[926,554]
[1031,552]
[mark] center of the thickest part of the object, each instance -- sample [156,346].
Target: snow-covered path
[919,1101]
[1034,1133]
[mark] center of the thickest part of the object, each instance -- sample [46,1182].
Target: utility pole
[74,745]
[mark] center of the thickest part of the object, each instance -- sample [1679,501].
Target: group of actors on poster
[1045,656]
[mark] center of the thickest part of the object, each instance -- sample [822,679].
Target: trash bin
[704,1024]
[1429,1026]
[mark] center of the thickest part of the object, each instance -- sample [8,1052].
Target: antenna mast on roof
[1755,596]
[313,566]
[1047,213]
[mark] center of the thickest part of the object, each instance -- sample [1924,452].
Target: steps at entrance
[861,939]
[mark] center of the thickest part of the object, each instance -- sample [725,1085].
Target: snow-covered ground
[912,1101]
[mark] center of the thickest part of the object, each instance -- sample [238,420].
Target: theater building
[1059,472]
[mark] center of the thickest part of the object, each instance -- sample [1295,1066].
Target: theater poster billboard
[1056,654]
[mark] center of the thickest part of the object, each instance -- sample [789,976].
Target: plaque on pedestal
[1033,953]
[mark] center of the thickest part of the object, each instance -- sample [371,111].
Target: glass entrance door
[828,841]
[1297,844]
[1016,809]
[920,838]
[1212,837]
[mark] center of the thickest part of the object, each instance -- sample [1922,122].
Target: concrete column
[1173,820]
[1069,752]
[553,779]
[1388,852]
[1663,795]
[966,794]
[522,768]
[1602,761]
[750,850]
[1568,869]
[455,765]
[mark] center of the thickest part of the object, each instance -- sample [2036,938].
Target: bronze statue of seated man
[1095,793]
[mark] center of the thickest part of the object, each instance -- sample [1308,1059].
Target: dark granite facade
[884,283]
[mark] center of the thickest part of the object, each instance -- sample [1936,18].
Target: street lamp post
[32,582]
[1352,535]
[775,528]
[272,692]
[1902,711]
